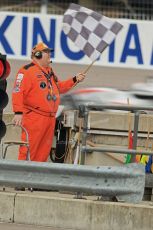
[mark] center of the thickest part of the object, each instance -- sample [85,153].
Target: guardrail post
[135,136]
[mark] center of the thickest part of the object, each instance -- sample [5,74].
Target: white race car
[100,96]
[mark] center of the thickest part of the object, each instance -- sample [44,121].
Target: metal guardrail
[118,107]
[116,150]
[123,182]
[84,113]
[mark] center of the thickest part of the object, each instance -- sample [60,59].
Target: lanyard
[50,95]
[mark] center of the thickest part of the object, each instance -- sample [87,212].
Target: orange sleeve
[65,86]
[22,85]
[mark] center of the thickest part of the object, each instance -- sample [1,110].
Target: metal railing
[137,110]
[124,183]
[5,144]
[138,9]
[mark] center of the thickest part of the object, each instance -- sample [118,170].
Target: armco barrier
[123,182]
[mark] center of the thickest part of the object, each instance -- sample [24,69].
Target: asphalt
[13,226]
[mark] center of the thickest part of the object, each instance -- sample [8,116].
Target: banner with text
[132,48]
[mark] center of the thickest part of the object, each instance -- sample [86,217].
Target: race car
[101,96]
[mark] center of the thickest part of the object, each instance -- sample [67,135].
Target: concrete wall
[48,209]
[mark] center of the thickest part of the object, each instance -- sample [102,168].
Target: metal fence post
[44,5]
[135,136]
[83,110]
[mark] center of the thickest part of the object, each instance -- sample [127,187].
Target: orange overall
[37,98]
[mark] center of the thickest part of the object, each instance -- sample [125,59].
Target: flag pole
[86,70]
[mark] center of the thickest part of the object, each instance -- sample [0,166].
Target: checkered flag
[89,30]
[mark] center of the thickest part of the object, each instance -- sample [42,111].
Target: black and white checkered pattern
[89,30]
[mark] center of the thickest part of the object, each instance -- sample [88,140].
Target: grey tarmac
[13,226]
